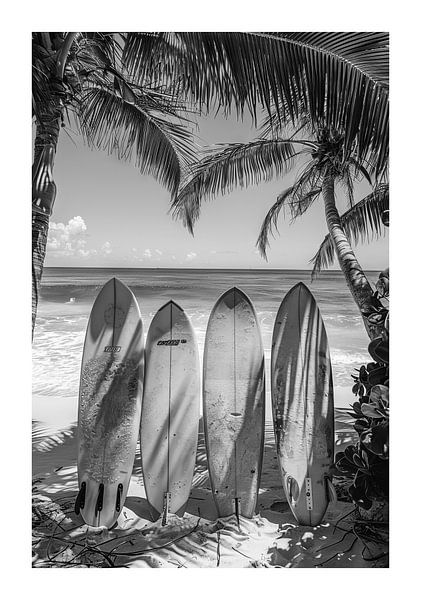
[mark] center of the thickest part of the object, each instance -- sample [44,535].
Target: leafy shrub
[366,464]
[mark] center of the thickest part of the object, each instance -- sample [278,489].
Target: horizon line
[206,268]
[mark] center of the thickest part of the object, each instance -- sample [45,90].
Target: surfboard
[302,405]
[170,411]
[233,404]
[110,395]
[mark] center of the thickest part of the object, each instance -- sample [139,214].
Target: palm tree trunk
[43,187]
[358,283]
[43,196]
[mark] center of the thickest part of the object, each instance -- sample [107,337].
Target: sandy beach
[199,539]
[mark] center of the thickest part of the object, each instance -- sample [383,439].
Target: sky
[108,214]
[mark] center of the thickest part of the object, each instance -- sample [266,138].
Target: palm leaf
[299,196]
[360,223]
[137,127]
[271,127]
[239,164]
[154,58]
[347,182]
[304,191]
[270,222]
[337,78]
[42,63]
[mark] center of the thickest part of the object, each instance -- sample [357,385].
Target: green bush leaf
[371,411]
[376,439]
[360,425]
[379,350]
[380,395]
[377,375]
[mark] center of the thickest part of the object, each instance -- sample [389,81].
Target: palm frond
[155,58]
[347,182]
[137,127]
[270,222]
[239,164]
[305,191]
[360,223]
[271,127]
[324,256]
[338,78]
[42,63]
[105,48]
[360,170]
[299,201]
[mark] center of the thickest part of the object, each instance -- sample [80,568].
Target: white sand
[199,539]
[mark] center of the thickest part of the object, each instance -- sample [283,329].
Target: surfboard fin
[80,499]
[331,491]
[167,497]
[100,499]
[118,499]
[237,510]
[293,490]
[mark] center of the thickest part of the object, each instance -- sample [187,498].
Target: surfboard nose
[301,286]
[171,304]
[301,294]
[120,284]
[233,297]
[115,286]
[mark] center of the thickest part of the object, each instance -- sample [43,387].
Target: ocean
[67,295]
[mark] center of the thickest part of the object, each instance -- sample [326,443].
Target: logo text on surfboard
[112,348]
[170,342]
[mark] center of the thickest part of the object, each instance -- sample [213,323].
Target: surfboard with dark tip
[170,411]
[302,405]
[234,403]
[110,393]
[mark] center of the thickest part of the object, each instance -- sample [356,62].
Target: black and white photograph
[210,298]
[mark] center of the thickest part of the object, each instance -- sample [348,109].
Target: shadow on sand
[271,539]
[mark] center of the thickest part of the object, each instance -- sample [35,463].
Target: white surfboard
[233,403]
[170,412]
[302,404]
[109,404]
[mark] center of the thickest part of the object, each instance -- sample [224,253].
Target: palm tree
[328,166]
[82,77]
[339,81]
[124,90]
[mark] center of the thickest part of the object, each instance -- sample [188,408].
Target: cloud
[134,256]
[159,252]
[68,239]
[106,248]
[147,253]
[191,256]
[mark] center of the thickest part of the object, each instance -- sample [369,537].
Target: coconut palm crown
[327,168]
